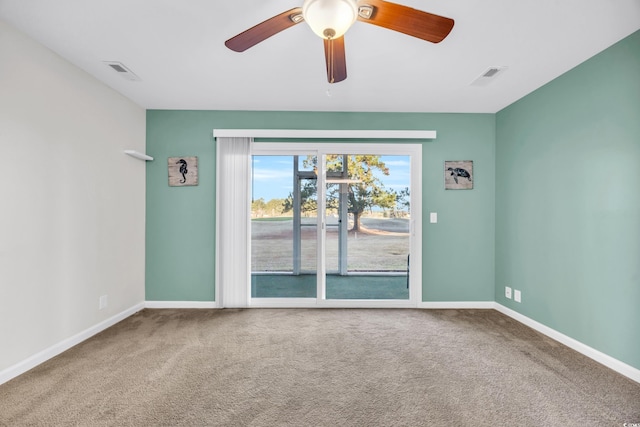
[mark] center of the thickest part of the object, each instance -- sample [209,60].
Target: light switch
[433,217]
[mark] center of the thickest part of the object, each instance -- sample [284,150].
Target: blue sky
[273,175]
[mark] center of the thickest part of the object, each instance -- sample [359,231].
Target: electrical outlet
[517,296]
[102,302]
[507,292]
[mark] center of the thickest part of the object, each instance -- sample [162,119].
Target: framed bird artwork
[458,175]
[183,171]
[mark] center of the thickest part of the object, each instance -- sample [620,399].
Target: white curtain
[233,163]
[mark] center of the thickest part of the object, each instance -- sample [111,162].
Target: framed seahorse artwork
[458,175]
[183,171]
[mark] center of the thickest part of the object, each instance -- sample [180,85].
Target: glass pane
[271,245]
[332,236]
[370,195]
[309,245]
[283,228]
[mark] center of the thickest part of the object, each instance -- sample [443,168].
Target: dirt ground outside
[381,245]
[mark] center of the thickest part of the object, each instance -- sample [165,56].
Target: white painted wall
[72,205]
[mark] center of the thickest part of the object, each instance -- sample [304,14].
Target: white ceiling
[177,49]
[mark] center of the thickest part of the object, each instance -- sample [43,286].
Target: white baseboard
[598,356]
[181,304]
[48,353]
[466,305]
[604,359]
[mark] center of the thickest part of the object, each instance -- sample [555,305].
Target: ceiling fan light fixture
[330,19]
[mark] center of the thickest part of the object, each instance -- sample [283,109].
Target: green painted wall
[568,202]
[458,252]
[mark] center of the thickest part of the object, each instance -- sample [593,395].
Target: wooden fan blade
[336,60]
[264,30]
[406,20]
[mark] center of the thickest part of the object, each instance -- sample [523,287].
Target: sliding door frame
[363,145]
[321,150]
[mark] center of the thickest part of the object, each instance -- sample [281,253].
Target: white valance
[330,134]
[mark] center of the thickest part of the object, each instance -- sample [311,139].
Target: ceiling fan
[330,19]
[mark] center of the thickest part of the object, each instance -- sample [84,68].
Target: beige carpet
[342,367]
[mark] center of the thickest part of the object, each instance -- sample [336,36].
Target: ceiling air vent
[121,69]
[488,76]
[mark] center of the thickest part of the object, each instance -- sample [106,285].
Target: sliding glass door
[284,227]
[333,227]
[368,217]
